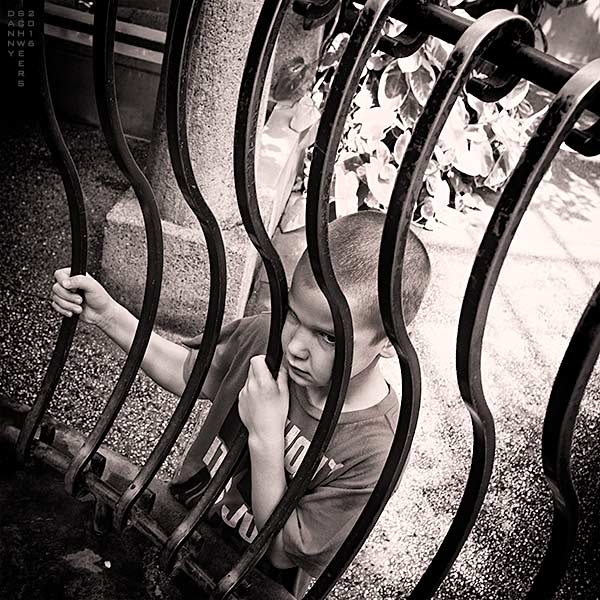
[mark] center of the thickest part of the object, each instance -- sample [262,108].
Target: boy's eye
[328,338]
[291,315]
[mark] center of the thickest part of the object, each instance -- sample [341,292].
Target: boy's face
[308,340]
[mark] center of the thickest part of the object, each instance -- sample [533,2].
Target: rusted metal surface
[77,217]
[104,82]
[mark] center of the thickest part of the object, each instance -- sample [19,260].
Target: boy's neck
[366,389]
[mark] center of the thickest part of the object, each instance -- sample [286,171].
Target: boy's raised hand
[264,401]
[82,295]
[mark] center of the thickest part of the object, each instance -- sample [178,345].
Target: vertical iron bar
[77,217]
[181,24]
[480,36]
[246,127]
[557,124]
[563,406]
[317,209]
[363,39]
[541,149]
[110,120]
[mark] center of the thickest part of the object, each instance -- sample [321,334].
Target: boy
[282,414]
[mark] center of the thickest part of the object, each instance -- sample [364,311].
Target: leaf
[379,60]
[382,152]
[334,51]
[409,64]
[516,96]
[363,99]
[393,88]
[421,83]
[409,112]
[453,132]
[477,159]
[345,188]
[438,52]
[400,146]
[306,114]
[374,121]
[444,156]
[380,181]
[499,173]
[290,80]
[439,190]
[472,200]
[393,28]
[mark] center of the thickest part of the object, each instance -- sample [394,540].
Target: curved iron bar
[177,58]
[484,275]
[363,40]
[585,141]
[77,218]
[251,91]
[501,82]
[541,149]
[110,120]
[584,346]
[487,31]
[317,213]
[559,424]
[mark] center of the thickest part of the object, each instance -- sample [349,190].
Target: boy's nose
[298,343]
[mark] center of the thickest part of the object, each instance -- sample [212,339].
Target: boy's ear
[387,349]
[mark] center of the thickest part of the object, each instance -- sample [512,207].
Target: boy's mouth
[297,370]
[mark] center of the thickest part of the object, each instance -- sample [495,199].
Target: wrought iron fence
[500,37]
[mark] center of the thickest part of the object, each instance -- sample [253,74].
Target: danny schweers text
[20,37]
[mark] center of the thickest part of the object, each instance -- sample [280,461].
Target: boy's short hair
[354,242]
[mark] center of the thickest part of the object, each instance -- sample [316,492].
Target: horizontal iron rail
[534,65]
[153,523]
[77,218]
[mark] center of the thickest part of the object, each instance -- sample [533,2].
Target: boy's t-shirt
[343,482]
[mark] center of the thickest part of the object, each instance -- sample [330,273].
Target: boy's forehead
[305,290]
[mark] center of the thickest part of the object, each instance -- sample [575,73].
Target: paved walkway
[549,275]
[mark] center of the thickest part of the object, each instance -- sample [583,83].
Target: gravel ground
[547,279]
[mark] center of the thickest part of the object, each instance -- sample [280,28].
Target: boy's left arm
[263,408]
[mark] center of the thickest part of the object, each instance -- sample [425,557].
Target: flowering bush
[476,152]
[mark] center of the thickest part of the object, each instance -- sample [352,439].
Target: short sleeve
[324,517]
[225,351]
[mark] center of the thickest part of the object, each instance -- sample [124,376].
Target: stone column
[224,34]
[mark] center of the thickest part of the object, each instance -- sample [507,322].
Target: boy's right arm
[166,362]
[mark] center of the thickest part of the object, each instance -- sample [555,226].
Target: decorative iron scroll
[110,120]
[246,127]
[74,194]
[181,24]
